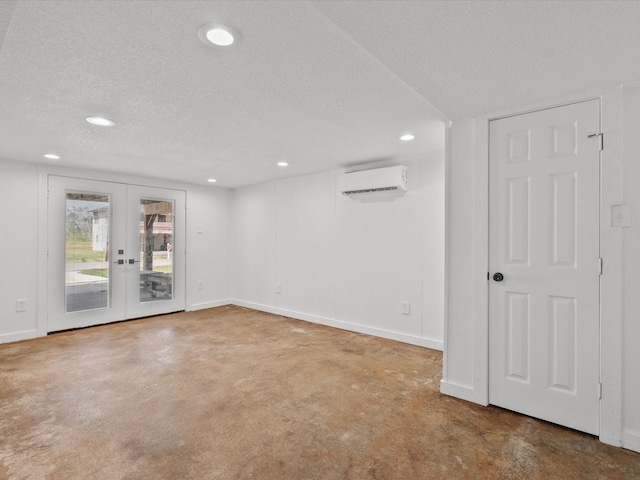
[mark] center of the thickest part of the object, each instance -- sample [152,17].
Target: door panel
[544,239]
[517,323]
[563,338]
[565,217]
[95,230]
[518,221]
[85,286]
[157,284]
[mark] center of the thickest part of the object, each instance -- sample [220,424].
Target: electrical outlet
[406,308]
[199,284]
[278,288]
[21,305]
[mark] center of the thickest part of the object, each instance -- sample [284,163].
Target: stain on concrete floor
[231,393]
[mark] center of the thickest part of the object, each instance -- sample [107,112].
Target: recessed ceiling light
[282,164]
[100,121]
[211,180]
[218,35]
[51,156]
[407,137]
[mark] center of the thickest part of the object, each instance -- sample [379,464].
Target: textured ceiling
[470,58]
[319,84]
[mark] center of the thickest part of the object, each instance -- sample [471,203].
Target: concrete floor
[231,393]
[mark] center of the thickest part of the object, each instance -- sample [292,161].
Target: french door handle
[119,262]
[132,261]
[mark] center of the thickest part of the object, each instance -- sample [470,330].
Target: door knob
[498,277]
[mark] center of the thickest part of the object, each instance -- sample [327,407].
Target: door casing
[129,213]
[474,133]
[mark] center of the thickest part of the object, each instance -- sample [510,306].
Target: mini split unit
[378,184]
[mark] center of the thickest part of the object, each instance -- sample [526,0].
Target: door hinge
[599,265]
[599,391]
[600,139]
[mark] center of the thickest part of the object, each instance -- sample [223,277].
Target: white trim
[42,285]
[611,251]
[481,265]
[447,236]
[458,391]
[18,336]
[614,441]
[611,104]
[352,327]
[611,281]
[44,171]
[630,440]
[511,112]
[213,304]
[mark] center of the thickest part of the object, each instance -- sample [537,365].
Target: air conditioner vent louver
[372,190]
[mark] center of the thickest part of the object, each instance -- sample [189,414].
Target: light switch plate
[21,305]
[620,216]
[406,308]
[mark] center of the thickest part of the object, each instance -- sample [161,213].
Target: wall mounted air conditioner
[385,183]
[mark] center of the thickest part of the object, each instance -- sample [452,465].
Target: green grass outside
[83,252]
[96,272]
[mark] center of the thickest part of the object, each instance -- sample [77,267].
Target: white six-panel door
[544,242]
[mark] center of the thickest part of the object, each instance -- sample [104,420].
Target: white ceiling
[319,84]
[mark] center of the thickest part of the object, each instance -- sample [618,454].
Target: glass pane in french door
[87,232]
[156,249]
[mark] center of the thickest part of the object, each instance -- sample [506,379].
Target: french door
[544,311]
[115,252]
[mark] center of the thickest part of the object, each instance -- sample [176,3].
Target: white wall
[254,244]
[466,352]
[18,249]
[208,257]
[306,244]
[342,262]
[208,246]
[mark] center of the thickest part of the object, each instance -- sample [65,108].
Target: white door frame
[43,270]
[610,248]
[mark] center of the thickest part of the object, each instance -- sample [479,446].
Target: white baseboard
[17,336]
[204,305]
[458,391]
[352,327]
[613,441]
[631,441]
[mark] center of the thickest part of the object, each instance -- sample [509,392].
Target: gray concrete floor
[230,393]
